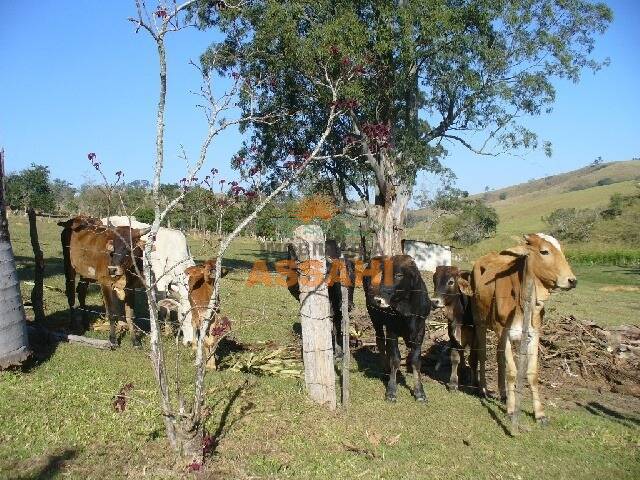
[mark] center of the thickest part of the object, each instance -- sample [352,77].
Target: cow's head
[447,282]
[406,294]
[204,274]
[546,261]
[122,243]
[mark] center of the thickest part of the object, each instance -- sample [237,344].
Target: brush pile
[587,351]
[283,362]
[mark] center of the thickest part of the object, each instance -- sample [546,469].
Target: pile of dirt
[587,353]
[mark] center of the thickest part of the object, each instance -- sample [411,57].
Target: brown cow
[457,309]
[496,284]
[102,255]
[200,278]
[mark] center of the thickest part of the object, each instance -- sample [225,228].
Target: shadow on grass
[223,426]
[603,411]
[370,362]
[53,266]
[42,467]
[492,405]
[255,255]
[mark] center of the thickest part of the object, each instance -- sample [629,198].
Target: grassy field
[523,209]
[57,418]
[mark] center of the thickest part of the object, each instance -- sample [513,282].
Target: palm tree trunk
[14,344]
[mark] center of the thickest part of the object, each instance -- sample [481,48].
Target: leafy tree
[503,195]
[572,224]
[419,73]
[31,188]
[65,196]
[474,222]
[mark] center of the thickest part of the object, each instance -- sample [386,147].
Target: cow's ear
[517,251]
[208,270]
[109,245]
[465,285]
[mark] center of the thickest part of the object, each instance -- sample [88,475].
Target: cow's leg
[393,357]
[81,291]
[454,355]
[70,290]
[107,294]
[532,376]
[415,360]
[381,344]
[511,373]
[504,344]
[470,341]
[129,313]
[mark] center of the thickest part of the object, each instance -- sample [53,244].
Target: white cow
[169,259]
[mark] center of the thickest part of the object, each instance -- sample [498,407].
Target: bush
[475,222]
[571,224]
[503,195]
[605,181]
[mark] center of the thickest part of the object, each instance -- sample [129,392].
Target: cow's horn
[145,230]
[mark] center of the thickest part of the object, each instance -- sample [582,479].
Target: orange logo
[316,206]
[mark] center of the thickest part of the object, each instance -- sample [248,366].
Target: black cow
[457,309]
[332,253]
[398,307]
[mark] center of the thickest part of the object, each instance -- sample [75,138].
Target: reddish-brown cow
[200,278]
[102,255]
[457,309]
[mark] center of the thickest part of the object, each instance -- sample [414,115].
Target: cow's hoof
[137,343]
[542,421]
[113,345]
[482,393]
[391,397]
[452,387]
[421,397]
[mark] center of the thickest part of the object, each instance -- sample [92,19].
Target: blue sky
[76,78]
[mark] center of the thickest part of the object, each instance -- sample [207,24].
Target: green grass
[527,204]
[56,418]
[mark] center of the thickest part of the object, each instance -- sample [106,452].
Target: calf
[169,258]
[333,254]
[457,309]
[398,304]
[498,304]
[200,279]
[102,255]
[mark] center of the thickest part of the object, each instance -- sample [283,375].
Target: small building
[427,255]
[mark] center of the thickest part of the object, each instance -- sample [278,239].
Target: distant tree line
[201,209]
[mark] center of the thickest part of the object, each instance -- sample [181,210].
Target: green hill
[526,204]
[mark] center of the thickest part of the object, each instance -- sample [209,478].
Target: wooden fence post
[523,357]
[14,341]
[346,349]
[315,315]
[38,278]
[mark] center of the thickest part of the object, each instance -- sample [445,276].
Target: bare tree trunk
[14,342]
[38,277]
[389,222]
[315,316]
